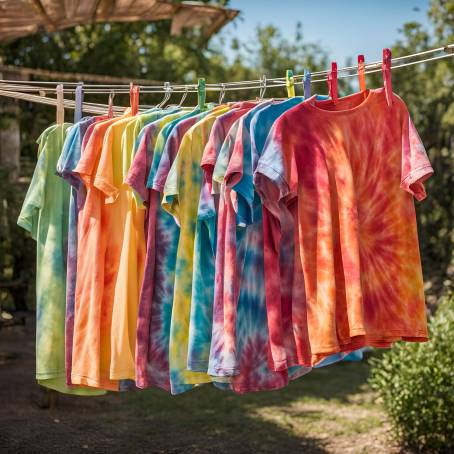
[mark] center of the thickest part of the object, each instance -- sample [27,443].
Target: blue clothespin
[307,84]
[79,99]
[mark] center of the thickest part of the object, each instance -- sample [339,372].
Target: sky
[344,28]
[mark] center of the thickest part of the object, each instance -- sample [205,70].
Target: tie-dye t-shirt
[220,362]
[353,167]
[45,215]
[153,326]
[67,162]
[93,308]
[200,325]
[181,195]
[133,247]
[245,337]
[280,283]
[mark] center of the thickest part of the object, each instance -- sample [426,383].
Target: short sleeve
[213,146]
[276,176]
[70,156]
[137,175]
[104,179]
[174,185]
[163,167]
[34,200]
[87,163]
[416,168]
[223,159]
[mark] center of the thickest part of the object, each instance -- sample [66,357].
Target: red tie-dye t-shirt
[352,166]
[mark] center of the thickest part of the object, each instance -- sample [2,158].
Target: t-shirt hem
[382,339]
[25,224]
[420,175]
[198,365]
[103,383]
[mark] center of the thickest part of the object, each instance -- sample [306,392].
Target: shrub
[416,384]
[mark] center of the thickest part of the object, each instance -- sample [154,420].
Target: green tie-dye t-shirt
[45,215]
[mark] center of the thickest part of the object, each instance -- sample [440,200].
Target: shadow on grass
[205,420]
[216,421]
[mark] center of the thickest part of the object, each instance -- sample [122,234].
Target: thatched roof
[25,17]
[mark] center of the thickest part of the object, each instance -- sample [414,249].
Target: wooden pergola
[25,17]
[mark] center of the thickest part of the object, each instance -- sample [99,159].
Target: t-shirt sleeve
[137,175]
[163,168]
[416,168]
[88,160]
[174,185]
[104,179]
[276,176]
[34,200]
[69,157]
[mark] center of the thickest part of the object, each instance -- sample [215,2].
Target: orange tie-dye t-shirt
[93,307]
[352,167]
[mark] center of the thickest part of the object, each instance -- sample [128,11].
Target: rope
[20,89]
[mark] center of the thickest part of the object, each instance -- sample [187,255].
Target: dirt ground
[331,410]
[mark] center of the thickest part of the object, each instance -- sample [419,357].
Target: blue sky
[342,27]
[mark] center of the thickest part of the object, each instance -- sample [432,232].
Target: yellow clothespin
[290,83]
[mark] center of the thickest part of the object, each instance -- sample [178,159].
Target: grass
[330,410]
[325,411]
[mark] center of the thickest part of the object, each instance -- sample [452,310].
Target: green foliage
[148,51]
[416,384]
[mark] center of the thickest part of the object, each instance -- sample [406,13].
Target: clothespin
[307,84]
[134,98]
[201,93]
[386,71]
[290,83]
[361,73]
[222,93]
[110,112]
[262,87]
[79,99]
[332,82]
[60,105]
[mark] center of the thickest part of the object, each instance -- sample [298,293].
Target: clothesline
[19,89]
[448,51]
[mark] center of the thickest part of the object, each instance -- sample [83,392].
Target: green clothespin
[290,83]
[201,93]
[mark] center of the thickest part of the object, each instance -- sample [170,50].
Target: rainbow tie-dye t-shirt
[181,195]
[352,167]
[201,318]
[156,296]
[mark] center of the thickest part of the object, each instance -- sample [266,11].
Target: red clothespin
[361,73]
[332,82]
[386,71]
[134,98]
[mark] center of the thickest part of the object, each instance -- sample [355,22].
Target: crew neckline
[315,105]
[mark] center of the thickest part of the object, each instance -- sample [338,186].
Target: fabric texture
[352,184]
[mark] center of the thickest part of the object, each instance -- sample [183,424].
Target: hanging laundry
[240,244]
[45,215]
[66,164]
